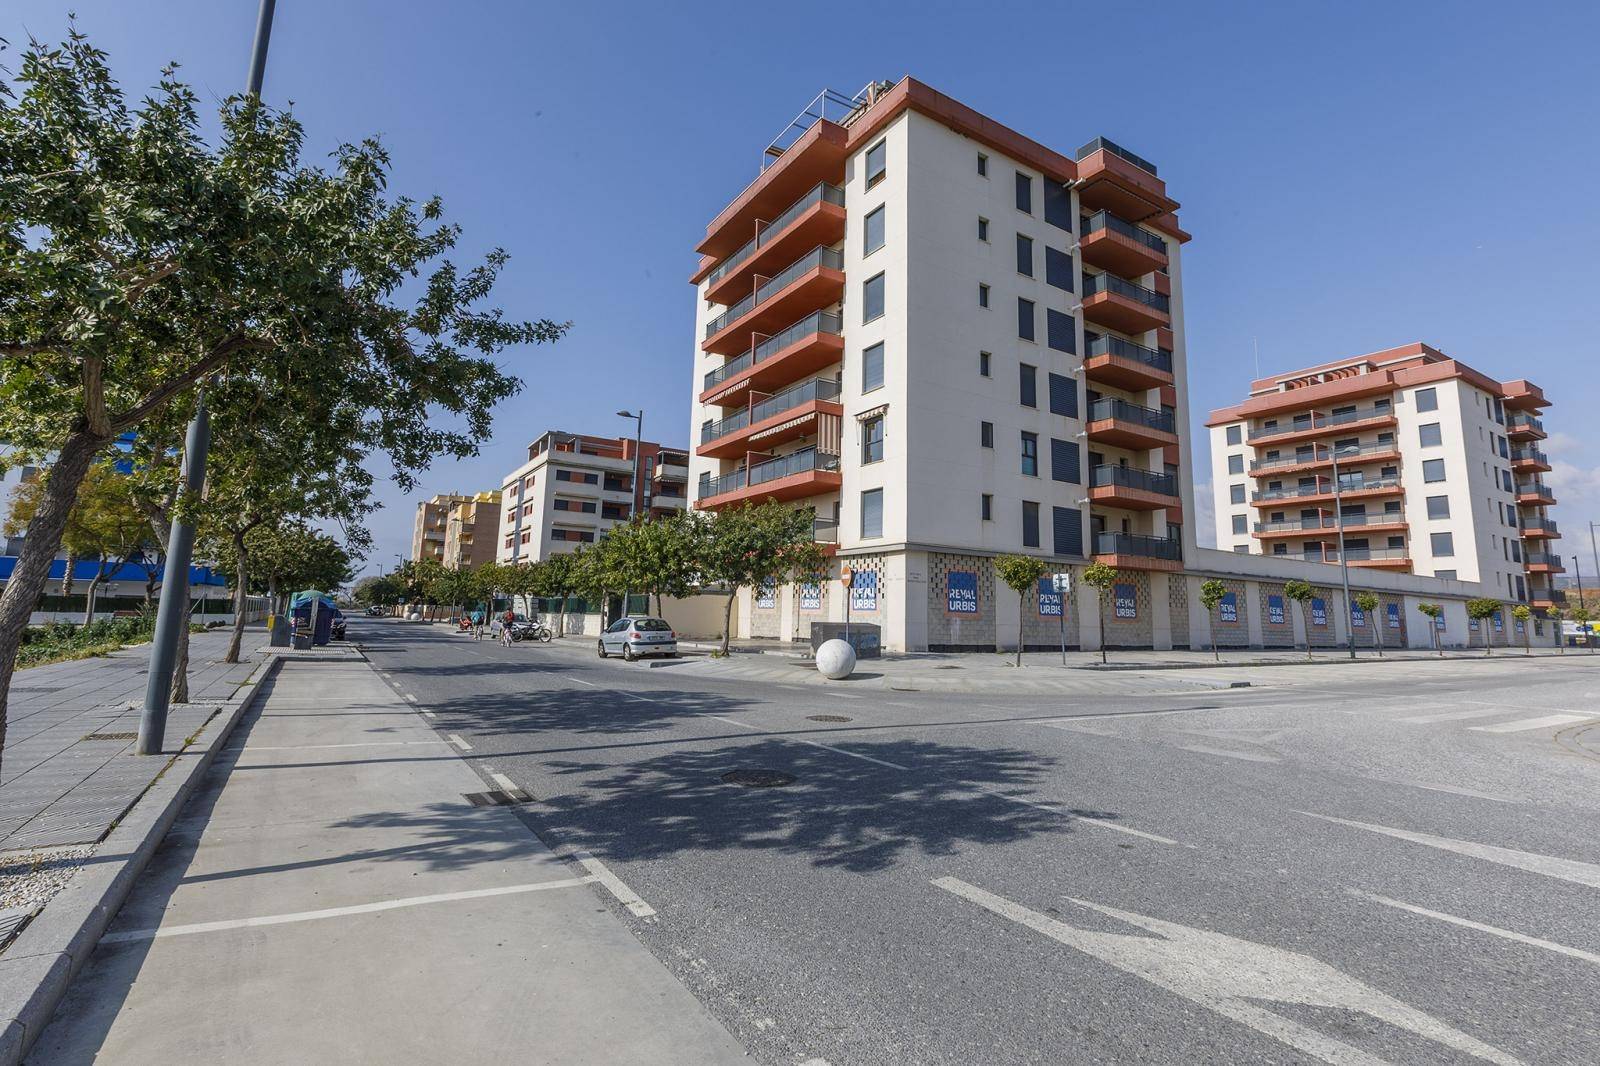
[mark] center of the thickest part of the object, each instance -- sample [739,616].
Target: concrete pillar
[914,602]
[1088,617]
[1252,609]
[1161,610]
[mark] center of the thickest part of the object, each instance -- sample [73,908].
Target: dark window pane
[1025,319]
[1024,193]
[1057,205]
[1063,396]
[1061,331]
[1057,268]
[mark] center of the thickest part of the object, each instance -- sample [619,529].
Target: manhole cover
[112,736]
[828,718]
[758,778]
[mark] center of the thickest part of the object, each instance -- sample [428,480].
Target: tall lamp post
[1344,563]
[638,490]
[173,613]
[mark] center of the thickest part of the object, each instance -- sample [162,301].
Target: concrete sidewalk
[331,895]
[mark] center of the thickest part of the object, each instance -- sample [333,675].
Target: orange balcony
[1126,365]
[813,281]
[1526,459]
[1132,489]
[1121,305]
[1542,563]
[1136,551]
[1112,178]
[1547,598]
[1376,452]
[1524,427]
[1114,244]
[1540,529]
[1127,425]
[818,155]
[1319,426]
[791,414]
[817,219]
[1534,494]
[787,356]
[1322,492]
[1523,395]
[795,476]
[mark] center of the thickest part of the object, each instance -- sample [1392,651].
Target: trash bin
[278,630]
[302,640]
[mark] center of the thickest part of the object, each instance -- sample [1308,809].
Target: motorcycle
[521,631]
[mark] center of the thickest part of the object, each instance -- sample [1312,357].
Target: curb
[41,962]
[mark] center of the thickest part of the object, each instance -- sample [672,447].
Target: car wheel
[602,649]
[628,654]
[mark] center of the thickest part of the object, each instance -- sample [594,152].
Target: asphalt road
[1390,863]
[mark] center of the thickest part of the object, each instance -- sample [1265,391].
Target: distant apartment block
[575,487]
[456,530]
[1439,471]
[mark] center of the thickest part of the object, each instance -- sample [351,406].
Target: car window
[651,625]
[617,627]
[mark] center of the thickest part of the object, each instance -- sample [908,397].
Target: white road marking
[730,721]
[503,781]
[1230,976]
[338,912]
[641,699]
[815,1062]
[1493,930]
[581,681]
[409,697]
[1247,756]
[1582,873]
[455,738]
[429,714]
[855,755]
[1453,790]
[613,884]
[361,744]
[1455,716]
[1089,819]
[844,696]
[1531,723]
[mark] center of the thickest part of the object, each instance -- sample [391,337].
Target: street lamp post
[638,490]
[1344,562]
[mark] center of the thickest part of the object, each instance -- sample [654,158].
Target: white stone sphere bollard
[836,659]
[414,616]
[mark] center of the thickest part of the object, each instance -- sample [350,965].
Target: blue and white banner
[864,591]
[811,596]
[1275,610]
[1499,622]
[1319,613]
[767,594]
[961,592]
[1050,605]
[1127,603]
[1519,627]
[1358,617]
[1438,623]
[1394,616]
[1229,608]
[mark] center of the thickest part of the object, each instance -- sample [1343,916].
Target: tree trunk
[1377,635]
[1216,651]
[1488,641]
[1307,623]
[94,587]
[561,617]
[1100,605]
[727,619]
[241,577]
[1021,600]
[38,551]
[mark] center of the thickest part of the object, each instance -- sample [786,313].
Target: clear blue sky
[1356,175]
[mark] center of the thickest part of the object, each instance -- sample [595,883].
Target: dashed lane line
[409,697]
[855,755]
[1247,756]
[602,874]
[1468,923]
[1581,873]
[455,738]
[1523,724]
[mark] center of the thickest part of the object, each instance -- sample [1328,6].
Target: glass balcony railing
[821,193]
[1342,418]
[1098,283]
[787,400]
[1527,454]
[1540,525]
[1105,220]
[1528,422]
[1541,559]
[1322,455]
[1107,345]
[1325,522]
[816,322]
[1359,555]
[1123,411]
[1326,488]
[1117,150]
[1111,475]
[1534,488]
[803,461]
[817,257]
[1137,544]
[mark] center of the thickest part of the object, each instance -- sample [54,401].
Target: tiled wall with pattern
[960,631]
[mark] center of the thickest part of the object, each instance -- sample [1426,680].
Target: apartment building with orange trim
[456,530]
[1439,470]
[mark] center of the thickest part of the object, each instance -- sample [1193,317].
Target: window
[1060,331]
[1030,524]
[1447,575]
[983,229]
[1024,193]
[1235,434]
[872,298]
[983,364]
[1432,470]
[1058,268]
[872,440]
[1030,454]
[1028,385]
[874,232]
[1235,464]
[1024,255]
[983,165]
[1058,205]
[872,513]
[1443,545]
[1025,316]
[1427,399]
[1516,550]
[872,368]
[1241,525]
[983,295]
[1438,507]
[1428,435]
[1063,396]
[988,507]
[1066,523]
[1235,493]
[877,163]
[1505,480]
[1064,464]
[986,434]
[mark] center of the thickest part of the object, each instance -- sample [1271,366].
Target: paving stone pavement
[59,786]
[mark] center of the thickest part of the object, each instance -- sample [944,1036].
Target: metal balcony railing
[1538,488]
[1107,345]
[803,461]
[1105,220]
[1516,422]
[1539,525]
[1326,488]
[1123,411]
[788,399]
[1098,283]
[1128,477]
[1541,559]
[1326,522]
[814,323]
[825,531]
[1117,150]
[822,192]
[1323,455]
[1359,414]
[1356,555]
[1137,544]
[1529,452]
[818,257]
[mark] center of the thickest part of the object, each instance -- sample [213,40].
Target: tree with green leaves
[1212,593]
[1481,609]
[1524,616]
[1556,614]
[556,582]
[1432,612]
[747,545]
[104,526]
[378,590]
[143,261]
[1368,604]
[1580,615]
[1102,577]
[1301,593]
[1021,574]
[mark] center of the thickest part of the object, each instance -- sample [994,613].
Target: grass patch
[57,642]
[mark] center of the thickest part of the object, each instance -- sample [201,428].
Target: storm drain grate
[829,718]
[758,778]
[111,736]
[498,797]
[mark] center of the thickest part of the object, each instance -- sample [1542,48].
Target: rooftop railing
[1123,411]
[816,322]
[818,257]
[1105,220]
[1098,283]
[822,192]
[1108,345]
[1117,150]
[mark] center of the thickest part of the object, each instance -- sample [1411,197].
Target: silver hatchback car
[638,635]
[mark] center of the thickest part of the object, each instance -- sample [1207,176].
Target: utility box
[278,630]
[864,637]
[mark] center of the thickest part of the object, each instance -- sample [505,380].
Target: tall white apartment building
[575,487]
[951,342]
[1439,471]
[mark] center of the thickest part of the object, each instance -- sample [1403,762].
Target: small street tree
[555,581]
[1368,604]
[1432,612]
[1301,593]
[1021,574]
[1580,615]
[1480,610]
[745,546]
[1524,616]
[1212,593]
[1556,615]
[1102,577]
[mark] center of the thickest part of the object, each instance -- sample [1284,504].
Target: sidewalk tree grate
[112,736]
[497,797]
[829,718]
[758,778]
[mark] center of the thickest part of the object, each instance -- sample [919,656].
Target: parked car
[375,611]
[336,627]
[639,635]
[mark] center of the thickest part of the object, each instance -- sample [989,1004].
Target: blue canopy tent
[300,609]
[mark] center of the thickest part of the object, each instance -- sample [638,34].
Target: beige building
[428,528]
[456,530]
[1439,471]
